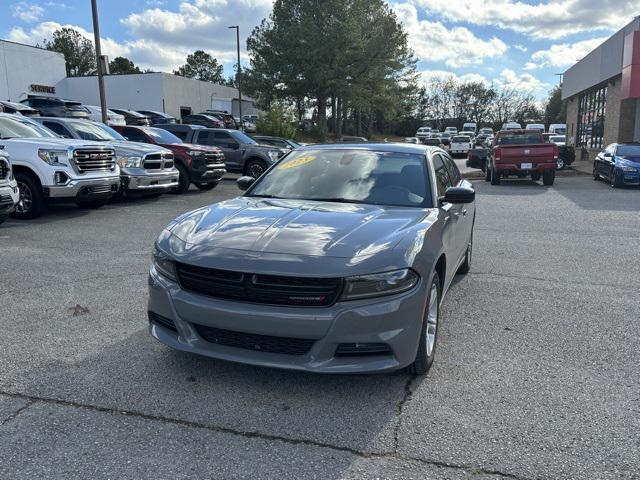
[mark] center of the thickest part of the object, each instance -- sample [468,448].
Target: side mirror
[607,155]
[459,195]
[245,182]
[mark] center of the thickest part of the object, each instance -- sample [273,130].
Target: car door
[464,212]
[447,214]
[231,149]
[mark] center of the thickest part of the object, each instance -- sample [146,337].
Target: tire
[183,181]
[31,204]
[536,177]
[3,218]
[495,177]
[487,173]
[206,186]
[466,265]
[614,181]
[255,168]
[596,177]
[548,177]
[561,164]
[429,331]
[92,204]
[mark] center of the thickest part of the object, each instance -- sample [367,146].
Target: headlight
[273,155]
[53,157]
[163,265]
[130,162]
[629,169]
[194,153]
[379,284]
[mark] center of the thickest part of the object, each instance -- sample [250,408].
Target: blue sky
[514,43]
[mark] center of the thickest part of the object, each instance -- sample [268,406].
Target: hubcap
[26,198]
[255,170]
[432,320]
[560,164]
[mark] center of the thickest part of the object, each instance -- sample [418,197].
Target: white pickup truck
[50,169]
[8,188]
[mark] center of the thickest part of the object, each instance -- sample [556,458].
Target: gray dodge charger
[335,260]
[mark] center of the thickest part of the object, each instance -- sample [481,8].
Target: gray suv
[336,261]
[57,107]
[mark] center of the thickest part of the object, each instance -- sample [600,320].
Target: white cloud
[522,48]
[27,12]
[546,19]
[562,55]
[456,47]
[524,82]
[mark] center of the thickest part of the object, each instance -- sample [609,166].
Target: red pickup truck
[521,153]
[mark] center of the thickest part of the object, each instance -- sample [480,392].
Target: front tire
[561,164]
[183,180]
[495,176]
[31,203]
[429,332]
[255,168]
[614,180]
[548,177]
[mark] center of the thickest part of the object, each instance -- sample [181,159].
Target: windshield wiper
[334,199]
[264,196]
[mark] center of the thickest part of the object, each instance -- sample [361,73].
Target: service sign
[42,88]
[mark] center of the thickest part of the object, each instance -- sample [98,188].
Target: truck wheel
[487,173]
[495,176]
[3,218]
[255,168]
[31,202]
[535,177]
[429,331]
[206,186]
[548,177]
[561,163]
[91,204]
[183,181]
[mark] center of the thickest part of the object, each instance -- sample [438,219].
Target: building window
[591,117]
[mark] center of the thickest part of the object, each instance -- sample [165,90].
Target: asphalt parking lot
[537,373]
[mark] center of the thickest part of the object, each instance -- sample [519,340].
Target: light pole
[560,76]
[237,28]
[96,34]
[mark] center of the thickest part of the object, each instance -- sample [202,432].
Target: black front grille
[362,349]
[158,161]
[258,343]
[214,159]
[94,160]
[257,288]
[97,189]
[162,321]
[4,169]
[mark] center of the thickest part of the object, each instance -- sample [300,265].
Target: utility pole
[96,34]
[237,28]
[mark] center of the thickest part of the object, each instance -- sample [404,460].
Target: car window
[521,139]
[205,137]
[452,170]
[442,176]
[181,134]
[628,151]
[460,139]
[57,128]
[349,176]
[134,135]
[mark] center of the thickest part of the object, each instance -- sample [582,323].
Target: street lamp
[96,35]
[237,28]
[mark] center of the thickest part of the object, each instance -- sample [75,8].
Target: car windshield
[557,139]
[293,144]
[242,138]
[349,176]
[95,131]
[520,139]
[161,136]
[18,128]
[460,139]
[628,151]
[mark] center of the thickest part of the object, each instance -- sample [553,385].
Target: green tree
[78,51]
[201,66]
[556,109]
[122,65]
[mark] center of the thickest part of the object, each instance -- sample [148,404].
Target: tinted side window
[223,139]
[181,134]
[452,170]
[134,135]
[205,137]
[442,177]
[57,128]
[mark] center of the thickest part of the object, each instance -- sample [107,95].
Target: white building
[26,70]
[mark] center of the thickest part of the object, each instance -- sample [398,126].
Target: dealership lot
[536,374]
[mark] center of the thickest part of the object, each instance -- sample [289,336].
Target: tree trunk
[322,116]
[334,117]
[339,113]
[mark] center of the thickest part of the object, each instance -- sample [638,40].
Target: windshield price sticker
[297,162]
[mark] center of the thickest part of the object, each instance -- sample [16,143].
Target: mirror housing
[245,182]
[459,195]
[607,155]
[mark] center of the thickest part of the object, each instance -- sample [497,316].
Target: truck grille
[158,161]
[252,341]
[214,159]
[257,288]
[4,169]
[94,160]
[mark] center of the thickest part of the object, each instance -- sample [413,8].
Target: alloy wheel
[256,170]
[432,320]
[560,164]
[25,202]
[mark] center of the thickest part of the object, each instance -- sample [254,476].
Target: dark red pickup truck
[521,153]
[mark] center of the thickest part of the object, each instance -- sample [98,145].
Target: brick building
[603,93]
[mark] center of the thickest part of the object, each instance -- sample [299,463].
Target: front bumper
[9,196]
[629,178]
[394,321]
[203,173]
[141,180]
[84,189]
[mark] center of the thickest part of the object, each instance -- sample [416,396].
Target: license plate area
[526,166]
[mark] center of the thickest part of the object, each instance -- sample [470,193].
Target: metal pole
[96,34]
[238,73]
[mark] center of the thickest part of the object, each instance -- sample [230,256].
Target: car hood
[57,143]
[632,161]
[193,146]
[123,148]
[296,227]
[259,147]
